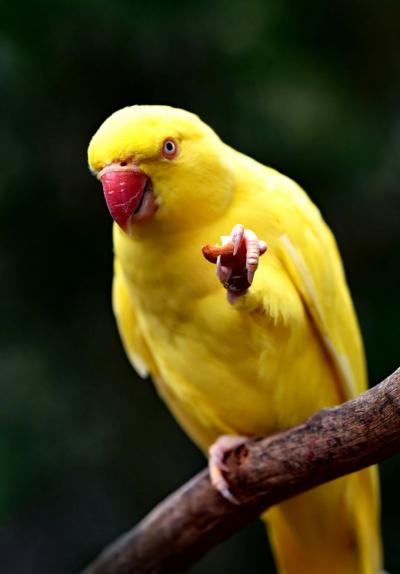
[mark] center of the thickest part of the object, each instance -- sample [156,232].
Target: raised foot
[237,260]
[218,452]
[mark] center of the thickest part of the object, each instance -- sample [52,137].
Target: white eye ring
[169,148]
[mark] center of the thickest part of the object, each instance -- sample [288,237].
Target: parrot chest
[227,369]
[218,365]
[206,352]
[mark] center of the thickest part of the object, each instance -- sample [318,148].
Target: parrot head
[160,164]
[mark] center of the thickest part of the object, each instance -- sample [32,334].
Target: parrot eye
[169,148]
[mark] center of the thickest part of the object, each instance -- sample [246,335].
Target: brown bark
[263,472]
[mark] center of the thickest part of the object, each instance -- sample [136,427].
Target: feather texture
[286,349]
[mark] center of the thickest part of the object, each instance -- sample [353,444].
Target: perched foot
[237,260]
[218,452]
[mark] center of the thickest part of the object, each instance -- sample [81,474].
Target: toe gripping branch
[237,281]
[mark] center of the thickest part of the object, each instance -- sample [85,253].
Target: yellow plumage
[284,350]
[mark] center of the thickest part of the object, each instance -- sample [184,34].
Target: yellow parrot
[245,352]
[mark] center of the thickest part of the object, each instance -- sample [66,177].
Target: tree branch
[263,472]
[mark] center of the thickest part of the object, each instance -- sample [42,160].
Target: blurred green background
[310,88]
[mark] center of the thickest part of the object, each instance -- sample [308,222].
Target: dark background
[310,88]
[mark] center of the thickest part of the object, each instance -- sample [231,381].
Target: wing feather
[312,260]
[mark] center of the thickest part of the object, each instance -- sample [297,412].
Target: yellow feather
[286,349]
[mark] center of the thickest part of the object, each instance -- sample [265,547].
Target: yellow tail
[332,529]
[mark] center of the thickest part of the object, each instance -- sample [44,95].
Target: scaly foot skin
[237,279]
[218,452]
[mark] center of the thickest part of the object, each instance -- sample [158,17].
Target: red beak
[123,189]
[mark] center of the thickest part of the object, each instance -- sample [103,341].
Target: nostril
[123,163]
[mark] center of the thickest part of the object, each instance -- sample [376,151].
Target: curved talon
[237,236]
[218,452]
[223,272]
[252,254]
[254,248]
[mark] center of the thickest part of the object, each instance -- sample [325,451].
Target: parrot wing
[311,258]
[134,343]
